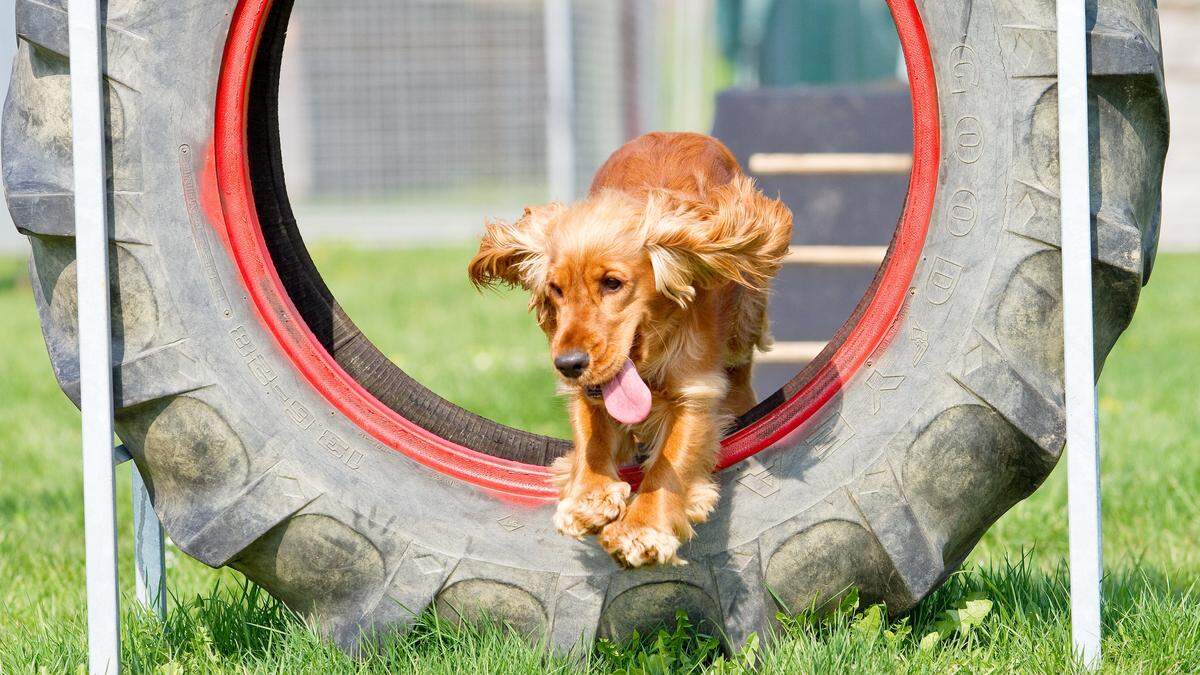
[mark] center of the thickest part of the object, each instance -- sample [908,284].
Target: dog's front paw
[586,511]
[637,545]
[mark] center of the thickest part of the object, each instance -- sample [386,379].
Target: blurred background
[417,114]
[412,119]
[408,121]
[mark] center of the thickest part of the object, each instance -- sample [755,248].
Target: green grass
[218,623]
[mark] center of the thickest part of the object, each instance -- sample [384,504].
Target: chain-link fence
[404,97]
[413,119]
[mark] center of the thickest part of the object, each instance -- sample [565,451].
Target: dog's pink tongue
[626,396]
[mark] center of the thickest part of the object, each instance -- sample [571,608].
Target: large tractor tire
[277,440]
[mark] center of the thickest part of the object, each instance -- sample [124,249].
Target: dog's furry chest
[647,437]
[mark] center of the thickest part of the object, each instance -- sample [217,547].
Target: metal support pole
[95,347]
[690,102]
[1083,465]
[149,542]
[648,16]
[560,103]
[149,554]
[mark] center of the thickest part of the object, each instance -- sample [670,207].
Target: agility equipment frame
[100,458]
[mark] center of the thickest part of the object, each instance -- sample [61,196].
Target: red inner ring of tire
[515,480]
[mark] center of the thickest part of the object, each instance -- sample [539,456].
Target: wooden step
[791,352]
[829,163]
[840,256]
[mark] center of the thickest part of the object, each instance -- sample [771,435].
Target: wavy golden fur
[666,262]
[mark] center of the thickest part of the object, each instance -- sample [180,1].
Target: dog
[652,292]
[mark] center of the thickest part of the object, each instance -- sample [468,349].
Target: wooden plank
[791,352]
[826,163]
[843,256]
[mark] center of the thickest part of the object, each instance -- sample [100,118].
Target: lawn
[1005,612]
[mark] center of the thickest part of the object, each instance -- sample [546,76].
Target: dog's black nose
[571,364]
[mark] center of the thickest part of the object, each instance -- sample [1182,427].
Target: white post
[682,66]
[690,34]
[95,348]
[149,555]
[649,63]
[1083,466]
[560,103]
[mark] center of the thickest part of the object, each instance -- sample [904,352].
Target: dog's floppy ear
[733,233]
[514,253]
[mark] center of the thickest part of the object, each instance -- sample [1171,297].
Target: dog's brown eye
[556,290]
[611,284]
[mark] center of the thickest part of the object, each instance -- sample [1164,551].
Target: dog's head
[601,271]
